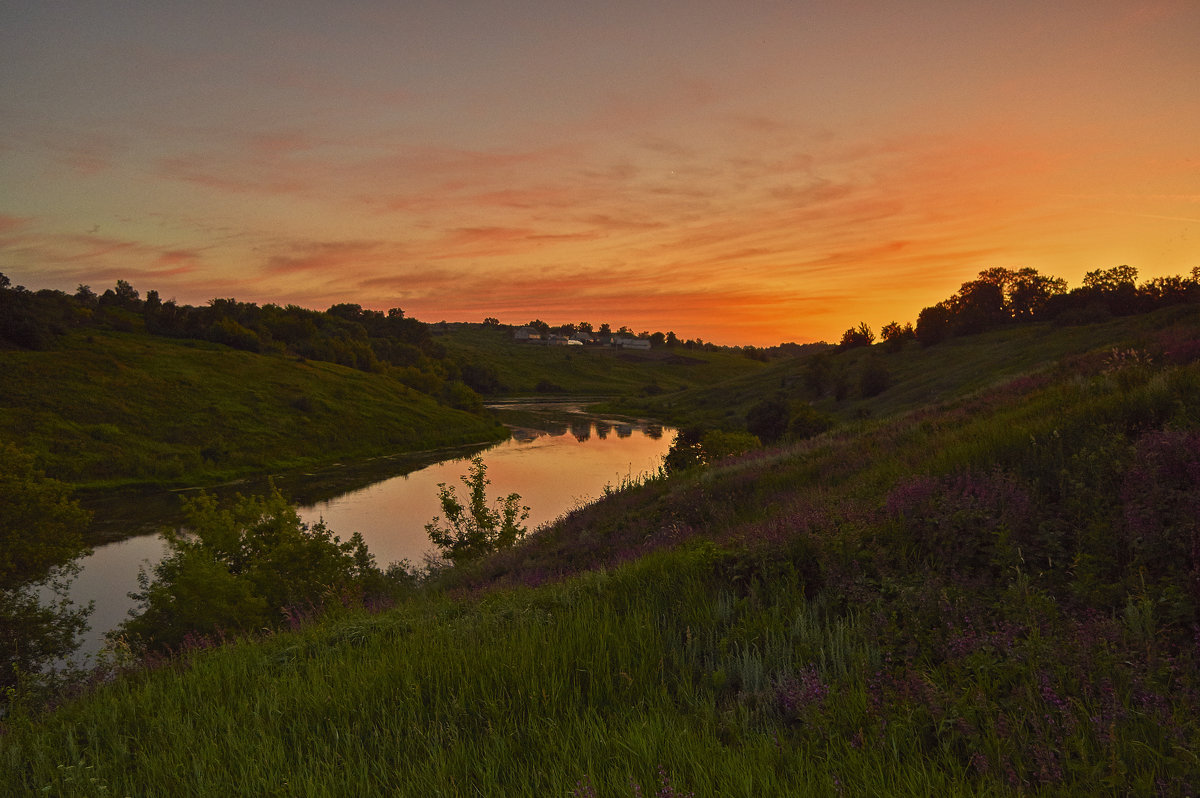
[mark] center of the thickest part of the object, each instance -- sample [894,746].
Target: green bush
[242,568]
[475,529]
[41,535]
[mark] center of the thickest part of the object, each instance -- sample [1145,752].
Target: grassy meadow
[991,594]
[589,370]
[917,376]
[105,408]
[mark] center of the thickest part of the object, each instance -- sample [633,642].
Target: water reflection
[555,467]
[553,470]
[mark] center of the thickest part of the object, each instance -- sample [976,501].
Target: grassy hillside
[592,371]
[110,408]
[993,595]
[918,376]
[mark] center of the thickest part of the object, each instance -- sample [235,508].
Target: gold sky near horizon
[744,173]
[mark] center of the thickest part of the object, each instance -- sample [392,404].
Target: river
[557,459]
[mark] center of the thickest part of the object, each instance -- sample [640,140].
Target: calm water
[566,464]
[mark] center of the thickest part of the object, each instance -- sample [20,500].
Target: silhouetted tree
[978,306]
[933,324]
[857,336]
[894,335]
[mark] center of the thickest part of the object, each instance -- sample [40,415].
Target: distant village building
[626,342]
[527,334]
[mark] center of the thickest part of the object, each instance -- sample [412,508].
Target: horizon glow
[746,173]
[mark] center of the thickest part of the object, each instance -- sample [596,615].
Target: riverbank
[386,500]
[989,596]
[106,409]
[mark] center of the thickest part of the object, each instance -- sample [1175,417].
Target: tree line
[346,334]
[1000,297]
[657,339]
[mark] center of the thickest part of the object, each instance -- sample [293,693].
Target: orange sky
[750,172]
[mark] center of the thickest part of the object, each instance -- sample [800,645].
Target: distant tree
[857,336]
[874,379]
[482,378]
[539,325]
[933,324]
[605,329]
[978,306]
[348,311]
[85,296]
[491,321]
[1029,293]
[818,373]
[1163,291]
[584,327]
[474,526]
[805,421]
[671,339]
[685,451]
[657,339]
[126,296]
[768,419]
[1110,280]
[1116,288]
[720,444]
[894,335]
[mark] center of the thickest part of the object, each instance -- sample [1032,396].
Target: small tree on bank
[476,528]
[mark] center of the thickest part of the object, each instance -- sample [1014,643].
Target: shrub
[475,529]
[875,378]
[768,419]
[41,535]
[806,421]
[241,568]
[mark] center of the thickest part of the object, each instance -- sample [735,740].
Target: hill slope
[110,408]
[590,370]
[993,595]
[916,376]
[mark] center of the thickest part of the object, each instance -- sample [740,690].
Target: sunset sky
[744,172]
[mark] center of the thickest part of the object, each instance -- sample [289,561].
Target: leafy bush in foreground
[41,532]
[240,569]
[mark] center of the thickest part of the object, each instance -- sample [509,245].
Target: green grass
[993,595]
[920,376]
[605,678]
[589,371]
[107,408]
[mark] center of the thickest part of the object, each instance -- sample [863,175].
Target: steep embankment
[109,408]
[993,595]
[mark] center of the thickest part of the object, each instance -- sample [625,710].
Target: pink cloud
[11,224]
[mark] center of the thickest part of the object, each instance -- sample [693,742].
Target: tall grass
[995,596]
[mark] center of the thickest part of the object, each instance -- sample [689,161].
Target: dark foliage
[1004,296]
[346,334]
[41,534]
[768,419]
[245,567]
